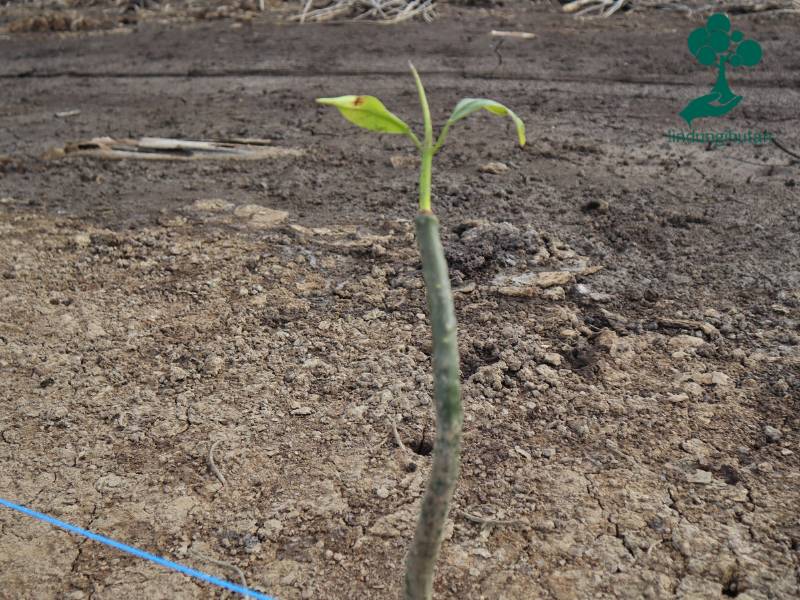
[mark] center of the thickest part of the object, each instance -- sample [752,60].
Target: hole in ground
[422,447]
[730,588]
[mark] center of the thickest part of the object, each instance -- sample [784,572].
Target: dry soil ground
[634,429]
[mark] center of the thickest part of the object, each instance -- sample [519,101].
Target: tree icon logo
[715,45]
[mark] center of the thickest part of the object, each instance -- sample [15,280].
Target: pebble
[523,453]
[685,342]
[772,434]
[260,217]
[699,476]
[495,168]
[549,452]
[554,293]
[302,411]
[213,364]
[765,467]
[547,373]
[552,358]
[404,161]
[695,447]
[82,240]
[693,388]
[211,205]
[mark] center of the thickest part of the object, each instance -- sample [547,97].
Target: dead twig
[486,521]
[221,563]
[306,8]
[212,465]
[396,435]
[785,149]
[381,11]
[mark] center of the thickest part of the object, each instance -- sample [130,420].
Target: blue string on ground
[136,552]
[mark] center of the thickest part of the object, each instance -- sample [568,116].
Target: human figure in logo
[716,45]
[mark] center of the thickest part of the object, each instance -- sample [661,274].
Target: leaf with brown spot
[367,112]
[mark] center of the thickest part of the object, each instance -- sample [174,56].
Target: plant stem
[449,415]
[427,151]
[425,170]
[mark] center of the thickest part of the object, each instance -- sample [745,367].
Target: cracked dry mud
[630,352]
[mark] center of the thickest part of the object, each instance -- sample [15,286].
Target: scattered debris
[212,466]
[148,148]
[494,168]
[221,563]
[382,11]
[523,35]
[487,521]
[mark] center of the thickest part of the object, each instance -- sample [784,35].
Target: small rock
[482,552]
[695,447]
[709,330]
[302,411]
[549,452]
[523,453]
[82,240]
[516,291]
[211,205]
[95,331]
[677,397]
[685,342]
[260,217]
[545,279]
[11,436]
[554,293]
[765,467]
[176,373]
[549,374]
[772,434]
[718,378]
[213,364]
[495,168]
[404,161]
[357,412]
[606,339]
[382,493]
[552,359]
[699,476]
[693,389]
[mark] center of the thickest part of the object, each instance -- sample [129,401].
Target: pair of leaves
[370,113]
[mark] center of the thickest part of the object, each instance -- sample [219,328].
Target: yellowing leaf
[367,112]
[467,106]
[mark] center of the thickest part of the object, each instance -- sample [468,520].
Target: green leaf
[467,106]
[367,112]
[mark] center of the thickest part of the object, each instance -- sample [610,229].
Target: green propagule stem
[370,113]
[447,388]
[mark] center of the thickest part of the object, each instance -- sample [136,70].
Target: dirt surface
[631,431]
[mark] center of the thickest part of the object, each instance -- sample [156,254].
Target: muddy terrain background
[629,309]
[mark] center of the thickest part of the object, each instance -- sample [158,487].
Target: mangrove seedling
[370,113]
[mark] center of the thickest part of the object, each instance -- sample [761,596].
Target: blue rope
[136,552]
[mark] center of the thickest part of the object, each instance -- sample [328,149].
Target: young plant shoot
[370,113]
